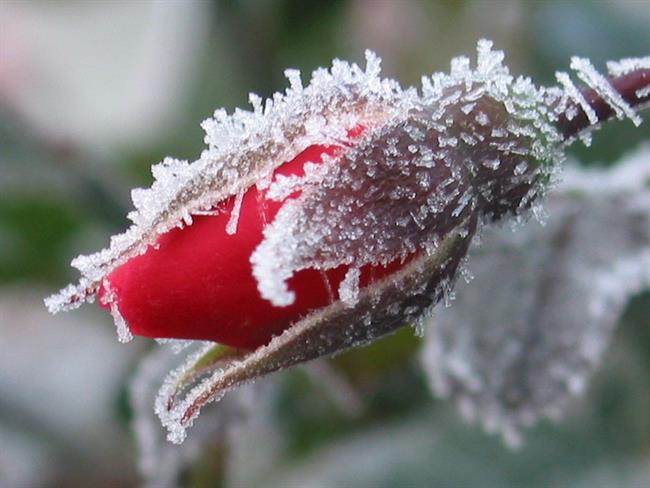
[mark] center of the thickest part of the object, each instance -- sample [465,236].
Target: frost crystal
[572,92]
[110,299]
[160,463]
[420,151]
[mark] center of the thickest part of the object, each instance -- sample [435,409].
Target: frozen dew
[482,118]
[429,170]
[322,228]
[521,168]
[244,148]
[492,163]
[643,92]
[231,226]
[380,308]
[162,464]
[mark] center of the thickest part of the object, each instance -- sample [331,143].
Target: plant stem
[627,85]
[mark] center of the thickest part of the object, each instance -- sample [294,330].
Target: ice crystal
[524,349]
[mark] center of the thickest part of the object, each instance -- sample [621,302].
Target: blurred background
[93,93]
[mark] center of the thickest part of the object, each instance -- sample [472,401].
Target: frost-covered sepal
[380,309]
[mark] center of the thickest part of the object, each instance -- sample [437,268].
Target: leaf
[524,337]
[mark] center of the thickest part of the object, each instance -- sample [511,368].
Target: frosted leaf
[414,177]
[524,337]
[160,463]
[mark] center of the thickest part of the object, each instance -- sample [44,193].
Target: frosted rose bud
[197,282]
[329,215]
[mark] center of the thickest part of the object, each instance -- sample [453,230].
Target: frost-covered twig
[625,91]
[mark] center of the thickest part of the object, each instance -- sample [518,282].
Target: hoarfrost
[435,130]
[231,226]
[482,118]
[384,307]
[122,328]
[522,350]
[426,173]
[643,92]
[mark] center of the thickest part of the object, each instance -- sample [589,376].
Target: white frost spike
[122,328]
[587,73]
[231,226]
[573,93]
[349,287]
[627,65]
[293,75]
[643,92]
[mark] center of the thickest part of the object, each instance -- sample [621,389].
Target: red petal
[198,283]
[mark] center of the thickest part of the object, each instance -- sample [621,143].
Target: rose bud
[333,214]
[197,282]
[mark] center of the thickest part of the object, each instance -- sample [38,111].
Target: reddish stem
[626,85]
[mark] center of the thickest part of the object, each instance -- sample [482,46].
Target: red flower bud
[197,282]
